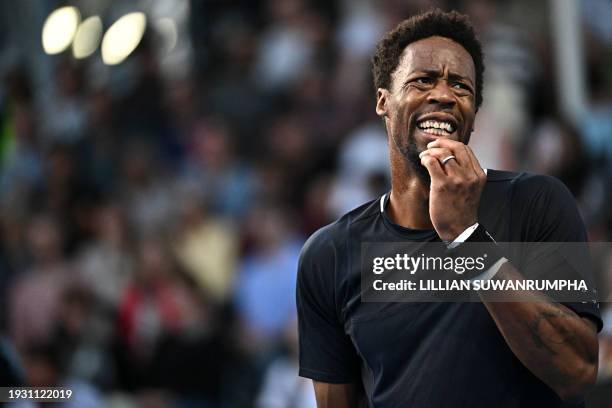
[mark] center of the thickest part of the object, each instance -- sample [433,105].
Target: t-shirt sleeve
[326,352]
[552,216]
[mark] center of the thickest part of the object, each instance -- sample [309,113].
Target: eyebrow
[436,73]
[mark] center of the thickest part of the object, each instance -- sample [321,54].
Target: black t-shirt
[426,354]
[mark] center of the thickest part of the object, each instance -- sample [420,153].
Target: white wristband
[463,236]
[492,271]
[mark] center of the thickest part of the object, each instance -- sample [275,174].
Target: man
[428,75]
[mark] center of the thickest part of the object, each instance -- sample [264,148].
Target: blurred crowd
[150,223]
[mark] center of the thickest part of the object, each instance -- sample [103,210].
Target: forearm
[554,343]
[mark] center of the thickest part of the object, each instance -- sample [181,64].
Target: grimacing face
[432,96]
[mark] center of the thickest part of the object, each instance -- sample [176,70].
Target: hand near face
[455,188]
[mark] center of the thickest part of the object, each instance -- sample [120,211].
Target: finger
[439,153]
[474,162]
[433,166]
[457,149]
[444,142]
[450,166]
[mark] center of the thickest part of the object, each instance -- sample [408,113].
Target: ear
[382,96]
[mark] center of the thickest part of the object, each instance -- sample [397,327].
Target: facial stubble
[410,151]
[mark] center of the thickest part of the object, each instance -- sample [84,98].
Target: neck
[409,199]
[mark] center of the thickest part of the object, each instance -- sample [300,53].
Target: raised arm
[552,341]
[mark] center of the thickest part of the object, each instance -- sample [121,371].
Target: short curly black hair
[452,25]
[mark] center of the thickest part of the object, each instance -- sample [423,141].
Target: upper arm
[335,395]
[326,352]
[550,214]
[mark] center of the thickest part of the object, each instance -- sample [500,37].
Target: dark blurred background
[156,186]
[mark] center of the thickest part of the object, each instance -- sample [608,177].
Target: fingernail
[422,153]
[430,144]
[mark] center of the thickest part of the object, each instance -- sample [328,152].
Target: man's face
[431,96]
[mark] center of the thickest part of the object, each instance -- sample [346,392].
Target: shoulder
[320,270]
[337,232]
[530,186]
[544,190]
[333,236]
[544,208]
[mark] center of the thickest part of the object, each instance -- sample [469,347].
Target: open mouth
[437,127]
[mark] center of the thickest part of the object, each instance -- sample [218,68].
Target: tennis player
[428,76]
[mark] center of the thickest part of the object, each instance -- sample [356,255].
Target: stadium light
[123,37]
[59,29]
[166,27]
[87,37]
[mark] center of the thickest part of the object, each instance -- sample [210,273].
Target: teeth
[433,124]
[434,131]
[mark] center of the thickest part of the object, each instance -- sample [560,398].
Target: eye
[461,85]
[423,80]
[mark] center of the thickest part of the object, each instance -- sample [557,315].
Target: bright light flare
[87,37]
[123,37]
[59,29]
[166,27]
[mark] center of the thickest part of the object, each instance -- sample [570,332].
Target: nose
[441,94]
